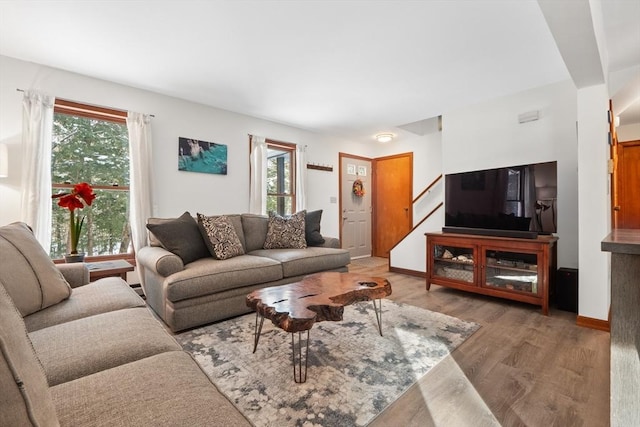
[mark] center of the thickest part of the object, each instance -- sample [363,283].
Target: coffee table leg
[256,332]
[298,375]
[378,315]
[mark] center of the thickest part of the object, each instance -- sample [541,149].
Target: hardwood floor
[520,368]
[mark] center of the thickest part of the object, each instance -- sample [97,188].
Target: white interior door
[356,211]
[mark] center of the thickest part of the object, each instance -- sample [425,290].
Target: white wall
[595,214]
[173,191]
[630,132]
[488,135]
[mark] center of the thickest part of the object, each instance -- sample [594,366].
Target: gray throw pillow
[220,236]
[286,232]
[29,275]
[312,228]
[182,237]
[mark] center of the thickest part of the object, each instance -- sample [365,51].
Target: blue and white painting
[202,156]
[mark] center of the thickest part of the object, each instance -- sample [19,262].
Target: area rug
[353,373]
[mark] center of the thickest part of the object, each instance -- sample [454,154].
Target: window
[91,144]
[281,177]
[515,191]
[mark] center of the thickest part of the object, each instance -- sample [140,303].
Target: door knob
[616,208]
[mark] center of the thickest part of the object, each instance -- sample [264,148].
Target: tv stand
[518,234]
[506,267]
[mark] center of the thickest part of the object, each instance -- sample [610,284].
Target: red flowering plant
[80,194]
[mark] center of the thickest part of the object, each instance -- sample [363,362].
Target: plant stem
[73,232]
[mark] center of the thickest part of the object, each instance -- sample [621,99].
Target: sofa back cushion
[25,399]
[255,231]
[30,276]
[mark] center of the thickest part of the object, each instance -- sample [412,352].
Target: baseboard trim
[589,322]
[415,273]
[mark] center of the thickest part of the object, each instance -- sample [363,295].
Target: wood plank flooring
[519,369]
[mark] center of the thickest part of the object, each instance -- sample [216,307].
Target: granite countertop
[624,241]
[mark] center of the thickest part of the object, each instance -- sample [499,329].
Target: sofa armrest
[331,242]
[77,274]
[159,260]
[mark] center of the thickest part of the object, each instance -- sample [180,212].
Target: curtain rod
[99,106]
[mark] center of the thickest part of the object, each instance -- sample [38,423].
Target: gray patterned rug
[353,373]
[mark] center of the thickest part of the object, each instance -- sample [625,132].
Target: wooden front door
[392,201]
[626,207]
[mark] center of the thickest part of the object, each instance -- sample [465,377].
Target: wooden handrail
[434,182]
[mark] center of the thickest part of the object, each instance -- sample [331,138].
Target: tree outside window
[91,145]
[280,177]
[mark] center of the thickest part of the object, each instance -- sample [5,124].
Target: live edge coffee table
[297,306]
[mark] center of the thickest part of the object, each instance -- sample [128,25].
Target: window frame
[291,148]
[73,108]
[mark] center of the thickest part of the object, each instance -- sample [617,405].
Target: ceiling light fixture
[384,137]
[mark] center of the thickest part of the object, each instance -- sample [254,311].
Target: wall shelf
[320,167]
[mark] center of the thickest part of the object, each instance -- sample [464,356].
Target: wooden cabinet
[516,269]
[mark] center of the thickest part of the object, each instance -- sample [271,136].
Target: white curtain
[37,129]
[258,179]
[140,180]
[301,178]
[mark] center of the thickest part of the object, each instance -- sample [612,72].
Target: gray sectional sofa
[204,290]
[74,353]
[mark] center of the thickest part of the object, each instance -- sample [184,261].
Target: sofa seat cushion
[102,296]
[29,276]
[296,262]
[92,344]
[168,389]
[209,276]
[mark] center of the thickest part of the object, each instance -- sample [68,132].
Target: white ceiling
[350,68]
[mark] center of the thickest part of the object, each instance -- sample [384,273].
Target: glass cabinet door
[510,271]
[454,262]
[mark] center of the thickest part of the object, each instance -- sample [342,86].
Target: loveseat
[187,285]
[74,353]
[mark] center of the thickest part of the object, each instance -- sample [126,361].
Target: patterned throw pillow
[220,236]
[286,232]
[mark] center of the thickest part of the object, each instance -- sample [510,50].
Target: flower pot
[74,257]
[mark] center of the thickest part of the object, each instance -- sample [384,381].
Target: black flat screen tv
[514,201]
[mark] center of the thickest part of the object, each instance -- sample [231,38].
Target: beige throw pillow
[220,236]
[286,232]
[29,275]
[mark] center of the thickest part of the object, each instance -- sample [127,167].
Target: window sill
[129,257]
